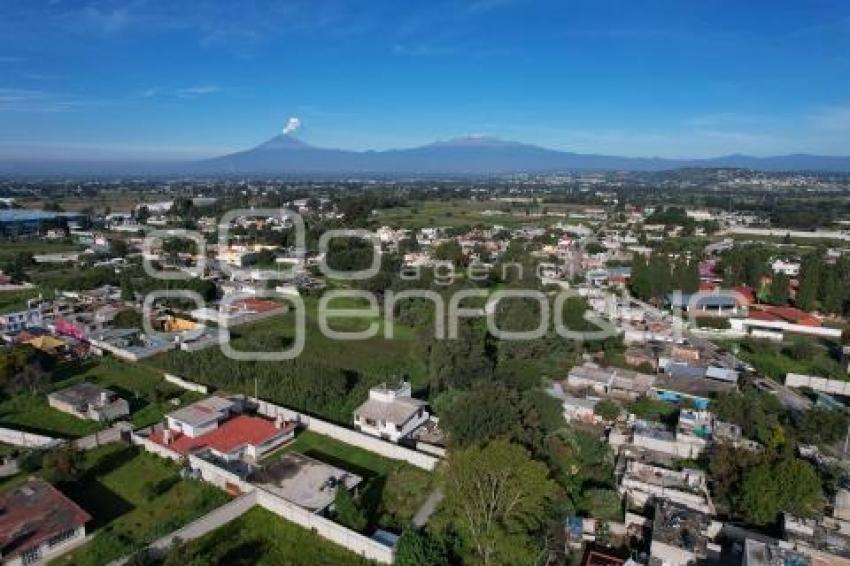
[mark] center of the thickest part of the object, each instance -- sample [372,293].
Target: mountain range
[286,154]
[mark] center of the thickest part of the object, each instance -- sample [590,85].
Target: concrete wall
[185,384]
[349,436]
[352,540]
[99,438]
[832,386]
[154,448]
[27,439]
[325,528]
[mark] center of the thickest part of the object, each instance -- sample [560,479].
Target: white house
[789,268]
[200,417]
[390,412]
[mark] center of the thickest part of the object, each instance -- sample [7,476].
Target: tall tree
[495,496]
[777,293]
[810,274]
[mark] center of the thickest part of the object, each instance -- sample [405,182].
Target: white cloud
[195,91]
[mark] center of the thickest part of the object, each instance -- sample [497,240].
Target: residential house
[212,426]
[88,401]
[37,523]
[642,484]
[610,382]
[390,412]
[682,536]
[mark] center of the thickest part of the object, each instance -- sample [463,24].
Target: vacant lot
[468,213]
[12,301]
[134,498]
[330,378]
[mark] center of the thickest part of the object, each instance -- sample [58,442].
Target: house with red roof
[772,322]
[214,425]
[37,523]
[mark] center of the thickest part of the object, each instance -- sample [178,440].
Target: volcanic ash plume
[291,125]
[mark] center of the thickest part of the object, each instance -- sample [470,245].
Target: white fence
[185,384]
[349,436]
[154,448]
[833,386]
[101,437]
[27,439]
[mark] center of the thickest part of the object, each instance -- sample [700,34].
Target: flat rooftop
[302,480]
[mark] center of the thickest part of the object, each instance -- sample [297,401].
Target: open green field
[392,490]
[260,537]
[802,243]
[10,248]
[800,354]
[12,301]
[469,212]
[142,387]
[134,498]
[329,378]
[374,355]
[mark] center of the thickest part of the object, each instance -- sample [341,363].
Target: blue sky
[674,78]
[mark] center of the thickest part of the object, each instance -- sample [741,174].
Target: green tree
[347,511]
[482,414]
[791,485]
[495,496]
[417,547]
[640,281]
[63,464]
[777,293]
[810,274]
[607,409]
[449,250]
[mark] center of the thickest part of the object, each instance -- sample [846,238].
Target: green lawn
[260,537]
[31,413]
[10,248]
[142,386]
[376,355]
[392,490]
[12,301]
[653,410]
[134,498]
[468,212]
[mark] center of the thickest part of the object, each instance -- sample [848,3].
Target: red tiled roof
[746,291]
[34,512]
[788,314]
[258,305]
[230,435]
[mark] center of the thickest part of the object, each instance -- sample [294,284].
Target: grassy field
[10,248]
[11,301]
[460,213]
[134,498]
[392,490]
[376,355]
[260,537]
[142,387]
[800,354]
